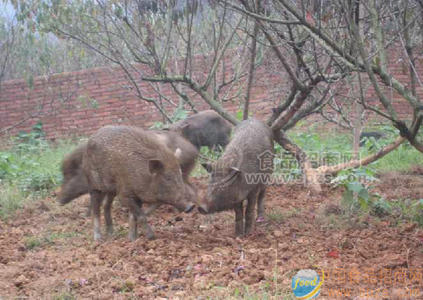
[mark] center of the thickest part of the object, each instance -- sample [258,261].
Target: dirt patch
[48,250]
[401,185]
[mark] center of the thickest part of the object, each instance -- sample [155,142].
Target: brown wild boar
[191,195]
[187,159]
[74,181]
[206,128]
[134,165]
[249,152]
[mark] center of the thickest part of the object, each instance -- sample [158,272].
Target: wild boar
[134,165]
[74,183]
[191,195]
[206,128]
[189,153]
[365,135]
[249,152]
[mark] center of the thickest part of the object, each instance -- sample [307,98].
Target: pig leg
[250,219]
[260,205]
[138,215]
[133,232]
[96,199]
[133,205]
[148,231]
[88,213]
[152,208]
[107,213]
[239,219]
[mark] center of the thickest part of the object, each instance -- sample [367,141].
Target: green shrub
[418,212]
[381,208]
[29,169]
[179,114]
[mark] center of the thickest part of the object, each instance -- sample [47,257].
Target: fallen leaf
[333,253]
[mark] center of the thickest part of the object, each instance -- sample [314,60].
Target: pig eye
[168,177]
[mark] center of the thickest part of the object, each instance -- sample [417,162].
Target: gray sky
[6,10]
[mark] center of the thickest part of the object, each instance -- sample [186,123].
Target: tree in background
[26,52]
[7,41]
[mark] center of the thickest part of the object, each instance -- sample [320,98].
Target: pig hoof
[239,234]
[132,237]
[150,236]
[97,236]
[202,210]
[189,208]
[260,219]
[109,231]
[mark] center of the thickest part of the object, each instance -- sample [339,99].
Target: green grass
[279,215]
[246,294]
[267,289]
[364,202]
[403,210]
[29,169]
[328,143]
[63,296]
[33,242]
[206,156]
[276,215]
[11,198]
[401,159]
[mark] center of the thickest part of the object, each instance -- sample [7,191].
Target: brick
[116,101]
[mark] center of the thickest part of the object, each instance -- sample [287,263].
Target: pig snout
[202,210]
[189,208]
[185,206]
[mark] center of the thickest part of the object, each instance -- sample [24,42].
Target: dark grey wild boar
[365,135]
[249,152]
[134,165]
[74,183]
[206,128]
[189,153]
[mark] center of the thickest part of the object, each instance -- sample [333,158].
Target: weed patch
[29,169]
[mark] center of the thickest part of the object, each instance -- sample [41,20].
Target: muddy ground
[47,251]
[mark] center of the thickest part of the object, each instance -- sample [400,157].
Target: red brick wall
[78,103]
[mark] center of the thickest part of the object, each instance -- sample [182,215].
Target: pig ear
[178,153]
[155,166]
[236,169]
[208,167]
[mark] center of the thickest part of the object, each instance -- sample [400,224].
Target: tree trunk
[323,170]
[311,176]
